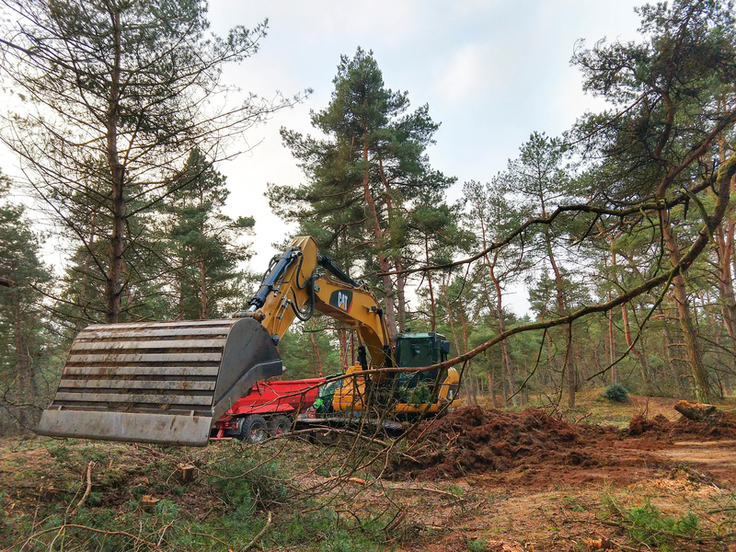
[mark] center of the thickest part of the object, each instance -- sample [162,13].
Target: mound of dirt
[640,424]
[532,448]
[473,439]
[720,426]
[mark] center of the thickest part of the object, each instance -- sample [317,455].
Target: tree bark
[458,343]
[724,238]
[383,262]
[203,290]
[431,291]
[690,336]
[695,411]
[560,295]
[83,303]
[640,356]
[612,345]
[342,337]
[22,360]
[505,354]
[401,295]
[117,171]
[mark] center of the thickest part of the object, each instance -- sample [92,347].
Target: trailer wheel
[253,429]
[279,425]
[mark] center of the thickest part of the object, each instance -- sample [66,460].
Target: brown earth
[543,484]
[476,479]
[532,448]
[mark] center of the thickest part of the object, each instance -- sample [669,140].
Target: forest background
[621,228]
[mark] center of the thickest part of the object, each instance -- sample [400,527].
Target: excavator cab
[414,350]
[423,392]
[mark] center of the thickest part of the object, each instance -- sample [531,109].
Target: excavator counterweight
[162,382]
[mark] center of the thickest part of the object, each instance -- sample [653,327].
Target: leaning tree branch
[562,209]
[723,185]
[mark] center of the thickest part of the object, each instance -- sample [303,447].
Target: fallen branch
[429,490]
[86,491]
[213,537]
[92,529]
[259,536]
[695,411]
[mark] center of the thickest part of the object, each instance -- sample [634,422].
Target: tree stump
[148,502]
[695,411]
[186,472]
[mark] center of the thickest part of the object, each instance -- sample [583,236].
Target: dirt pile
[641,424]
[532,448]
[472,440]
[719,426]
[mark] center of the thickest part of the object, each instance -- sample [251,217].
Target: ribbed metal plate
[188,373]
[104,366]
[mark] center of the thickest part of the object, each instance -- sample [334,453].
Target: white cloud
[465,76]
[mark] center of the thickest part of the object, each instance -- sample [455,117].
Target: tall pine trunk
[117,172]
[315,348]
[431,291]
[505,354]
[203,314]
[682,303]
[568,363]
[458,344]
[382,261]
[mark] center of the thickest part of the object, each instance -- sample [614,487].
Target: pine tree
[206,279]
[26,344]
[669,93]
[115,96]
[364,177]
[491,216]
[538,177]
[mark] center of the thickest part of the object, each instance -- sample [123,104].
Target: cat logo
[342,300]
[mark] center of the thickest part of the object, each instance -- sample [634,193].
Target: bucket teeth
[162,382]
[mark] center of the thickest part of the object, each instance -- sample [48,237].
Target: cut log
[695,411]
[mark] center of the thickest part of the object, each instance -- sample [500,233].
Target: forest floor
[477,479]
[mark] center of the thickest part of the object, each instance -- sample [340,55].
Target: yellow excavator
[169,382]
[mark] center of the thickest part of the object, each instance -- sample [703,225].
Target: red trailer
[269,409]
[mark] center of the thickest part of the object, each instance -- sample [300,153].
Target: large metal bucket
[158,382]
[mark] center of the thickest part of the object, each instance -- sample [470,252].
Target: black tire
[253,429]
[278,425]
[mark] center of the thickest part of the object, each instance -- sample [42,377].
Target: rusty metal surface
[162,382]
[146,428]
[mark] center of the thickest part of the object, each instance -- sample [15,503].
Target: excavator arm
[300,281]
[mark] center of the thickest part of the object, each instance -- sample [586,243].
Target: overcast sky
[492,72]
